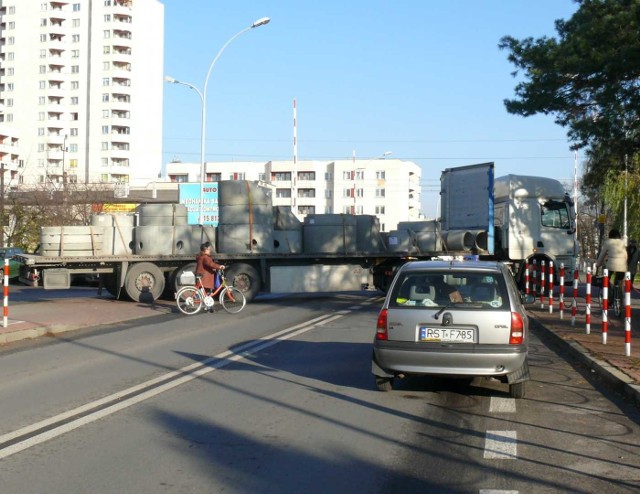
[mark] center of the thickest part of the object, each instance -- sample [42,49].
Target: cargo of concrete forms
[368,237]
[118,232]
[82,241]
[329,233]
[287,241]
[245,239]
[171,240]
[427,238]
[284,219]
[162,214]
[242,192]
[402,241]
[244,214]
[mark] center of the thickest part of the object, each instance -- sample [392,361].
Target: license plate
[447,335]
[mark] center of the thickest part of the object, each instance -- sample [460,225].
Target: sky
[423,80]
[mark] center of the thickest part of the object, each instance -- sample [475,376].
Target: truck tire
[244,277]
[144,282]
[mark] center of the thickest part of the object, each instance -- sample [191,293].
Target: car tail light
[517,329]
[381,327]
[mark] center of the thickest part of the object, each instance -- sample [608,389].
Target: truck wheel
[144,282]
[246,278]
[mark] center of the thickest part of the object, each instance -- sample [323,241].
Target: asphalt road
[279,398]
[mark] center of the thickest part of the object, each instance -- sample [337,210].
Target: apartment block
[81,89]
[387,188]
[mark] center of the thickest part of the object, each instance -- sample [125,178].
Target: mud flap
[520,375]
[376,370]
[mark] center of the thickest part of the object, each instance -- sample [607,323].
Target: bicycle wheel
[232,300]
[189,300]
[617,304]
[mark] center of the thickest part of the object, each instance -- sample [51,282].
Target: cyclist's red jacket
[206,267]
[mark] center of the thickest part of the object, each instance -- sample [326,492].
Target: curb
[618,380]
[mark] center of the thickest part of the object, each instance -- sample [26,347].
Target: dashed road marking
[501,445]
[502,405]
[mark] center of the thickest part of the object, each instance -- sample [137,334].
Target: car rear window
[447,288]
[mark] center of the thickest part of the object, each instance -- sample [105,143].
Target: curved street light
[203,98]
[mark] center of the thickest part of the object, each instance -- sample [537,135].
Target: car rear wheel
[384,383]
[516,390]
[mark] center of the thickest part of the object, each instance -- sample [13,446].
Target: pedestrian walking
[632,258]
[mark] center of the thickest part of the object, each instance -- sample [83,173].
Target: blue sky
[423,79]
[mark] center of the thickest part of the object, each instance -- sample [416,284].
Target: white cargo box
[56,279]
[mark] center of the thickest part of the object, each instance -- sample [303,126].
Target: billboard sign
[190,197]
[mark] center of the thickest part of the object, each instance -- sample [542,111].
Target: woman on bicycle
[615,254]
[206,267]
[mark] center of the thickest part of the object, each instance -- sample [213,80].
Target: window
[380,174]
[43,53]
[75,53]
[11,25]
[107,18]
[105,146]
[105,113]
[43,38]
[9,102]
[75,38]
[347,175]
[73,131]
[41,116]
[380,193]
[75,69]
[75,85]
[105,65]
[73,163]
[40,131]
[359,174]
[347,192]
[10,56]
[10,71]
[359,209]
[281,176]
[105,81]
[41,147]
[105,129]
[43,22]
[42,69]
[76,7]
[104,162]
[306,210]
[359,192]
[41,100]
[106,49]
[179,178]
[74,100]
[306,192]
[306,175]
[9,117]
[328,194]
[106,33]
[328,176]
[283,193]
[75,22]
[328,210]
[73,148]
[555,215]
[42,84]
[379,209]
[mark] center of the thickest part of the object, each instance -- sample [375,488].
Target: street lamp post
[203,97]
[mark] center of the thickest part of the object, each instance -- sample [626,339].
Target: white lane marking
[496,491]
[176,378]
[502,405]
[501,445]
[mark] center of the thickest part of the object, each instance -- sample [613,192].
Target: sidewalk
[608,360]
[50,316]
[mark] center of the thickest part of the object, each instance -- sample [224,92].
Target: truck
[151,253]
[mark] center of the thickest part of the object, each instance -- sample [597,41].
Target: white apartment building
[81,87]
[387,188]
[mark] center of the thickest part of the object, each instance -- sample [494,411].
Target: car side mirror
[527,298]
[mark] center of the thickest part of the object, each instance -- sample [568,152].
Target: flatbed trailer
[149,277]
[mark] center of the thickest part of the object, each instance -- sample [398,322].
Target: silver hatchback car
[453,318]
